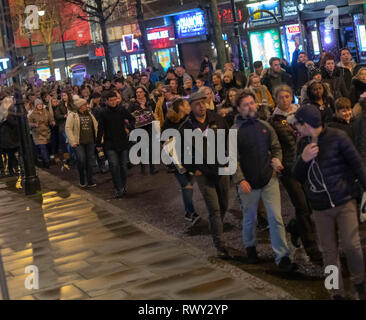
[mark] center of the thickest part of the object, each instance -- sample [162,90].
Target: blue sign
[190,24]
[271,6]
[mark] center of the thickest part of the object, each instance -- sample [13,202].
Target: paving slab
[86,248]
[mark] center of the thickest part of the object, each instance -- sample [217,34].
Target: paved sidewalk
[86,248]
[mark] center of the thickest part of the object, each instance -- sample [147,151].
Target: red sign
[99,52]
[226,16]
[77,30]
[160,38]
[294,29]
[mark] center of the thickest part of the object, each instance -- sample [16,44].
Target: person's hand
[245,187]
[65,116]
[310,152]
[127,131]
[53,123]
[277,165]
[198,173]
[99,149]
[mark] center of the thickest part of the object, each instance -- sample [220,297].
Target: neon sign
[294,29]
[226,16]
[161,38]
[4,64]
[190,24]
[129,43]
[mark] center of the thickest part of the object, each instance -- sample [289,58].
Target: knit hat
[310,114]
[37,102]
[78,103]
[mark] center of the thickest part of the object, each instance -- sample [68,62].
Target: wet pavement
[156,200]
[87,248]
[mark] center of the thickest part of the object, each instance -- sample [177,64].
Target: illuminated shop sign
[226,15]
[99,52]
[160,38]
[190,24]
[293,29]
[4,64]
[130,44]
[271,6]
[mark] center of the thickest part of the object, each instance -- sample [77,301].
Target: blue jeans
[118,167]
[187,193]
[42,150]
[271,197]
[85,160]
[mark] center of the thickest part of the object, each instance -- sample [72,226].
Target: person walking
[81,130]
[113,126]
[327,166]
[259,163]
[302,226]
[213,187]
[40,121]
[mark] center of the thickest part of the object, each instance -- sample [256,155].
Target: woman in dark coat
[143,111]
[358,86]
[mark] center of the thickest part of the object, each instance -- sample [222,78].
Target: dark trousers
[12,160]
[216,196]
[42,151]
[85,160]
[118,167]
[186,182]
[303,211]
[54,145]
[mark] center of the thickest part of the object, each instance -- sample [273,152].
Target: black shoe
[361,290]
[154,171]
[287,266]
[124,191]
[119,194]
[252,256]
[292,229]
[224,253]
[188,217]
[314,255]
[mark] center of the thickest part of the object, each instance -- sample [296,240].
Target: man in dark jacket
[335,77]
[113,124]
[9,139]
[328,165]
[259,161]
[275,76]
[300,71]
[214,187]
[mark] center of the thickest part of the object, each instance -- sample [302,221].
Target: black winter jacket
[357,89]
[343,125]
[339,164]
[269,80]
[257,146]
[9,138]
[288,139]
[359,128]
[214,122]
[112,126]
[336,82]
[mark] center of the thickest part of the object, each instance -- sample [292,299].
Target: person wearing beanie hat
[40,121]
[327,165]
[81,130]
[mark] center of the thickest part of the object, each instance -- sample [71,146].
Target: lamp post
[237,37]
[30,181]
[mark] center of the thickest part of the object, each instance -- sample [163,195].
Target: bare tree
[99,12]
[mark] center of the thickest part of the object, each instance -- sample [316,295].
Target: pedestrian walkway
[85,248]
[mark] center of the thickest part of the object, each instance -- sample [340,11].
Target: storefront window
[138,62]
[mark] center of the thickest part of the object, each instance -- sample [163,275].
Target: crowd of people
[301,124]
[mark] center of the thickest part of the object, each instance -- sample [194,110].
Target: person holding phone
[327,165]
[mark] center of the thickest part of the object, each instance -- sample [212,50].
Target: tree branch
[114,7]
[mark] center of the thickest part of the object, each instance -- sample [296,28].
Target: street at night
[183,151]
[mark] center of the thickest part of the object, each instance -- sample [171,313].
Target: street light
[30,181]
[237,36]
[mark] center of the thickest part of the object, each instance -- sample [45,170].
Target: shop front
[133,56]
[163,45]
[4,65]
[322,33]
[264,32]
[191,36]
